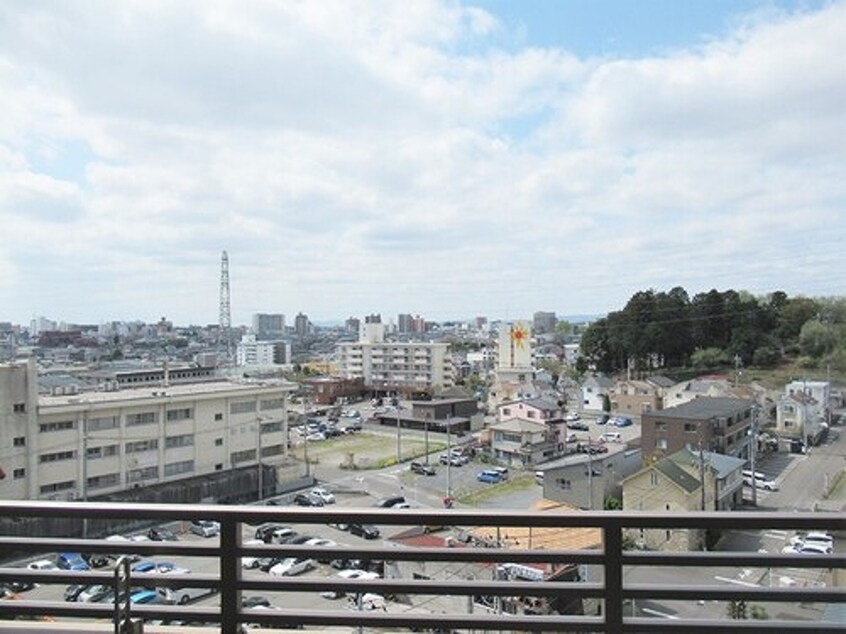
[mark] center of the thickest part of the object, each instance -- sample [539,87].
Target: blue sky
[442,158]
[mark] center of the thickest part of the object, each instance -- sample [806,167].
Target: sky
[442,158]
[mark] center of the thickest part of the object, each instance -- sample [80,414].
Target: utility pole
[258,461]
[737,363]
[449,462]
[590,473]
[399,432]
[753,449]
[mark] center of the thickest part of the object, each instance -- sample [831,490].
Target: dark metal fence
[611,559]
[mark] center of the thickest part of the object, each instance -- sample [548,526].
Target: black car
[72,592]
[600,420]
[422,468]
[161,534]
[254,602]
[577,425]
[97,560]
[389,502]
[367,531]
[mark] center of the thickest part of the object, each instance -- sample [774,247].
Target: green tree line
[658,329]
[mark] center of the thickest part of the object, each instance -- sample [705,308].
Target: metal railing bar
[230,574]
[715,559]
[428,587]
[696,626]
[729,591]
[452,517]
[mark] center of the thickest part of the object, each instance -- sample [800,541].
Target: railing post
[230,574]
[613,540]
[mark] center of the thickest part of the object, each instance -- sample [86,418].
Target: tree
[816,338]
[612,503]
[709,357]
[766,357]
[606,403]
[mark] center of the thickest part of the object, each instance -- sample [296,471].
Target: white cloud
[383,156]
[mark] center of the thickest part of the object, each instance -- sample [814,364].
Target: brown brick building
[715,424]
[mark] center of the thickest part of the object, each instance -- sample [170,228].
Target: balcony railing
[605,587]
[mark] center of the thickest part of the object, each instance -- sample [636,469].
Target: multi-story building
[268,326]
[713,424]
[543,322]
[95,443]
[250,351]
[408,367]
[302,326]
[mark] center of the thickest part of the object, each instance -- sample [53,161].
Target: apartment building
[251,351]
[393,366]
[78,446]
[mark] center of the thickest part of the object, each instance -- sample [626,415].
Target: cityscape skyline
[448,159]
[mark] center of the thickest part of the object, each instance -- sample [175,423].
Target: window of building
[147,473]
[19,441]
[19,408]
[242,407]
[268,428]
[660,426]
[248,455]
[176,468]
[218,442]
[218,466]
[179,414]
[19,474]
[653,478]
[57,456]
[691,427]
[184,440]
[506,411]
[218,416]
[564,484]
[142,445]
[531,413]
[273,403]
[142,418]
[59,426]
[101,423]
[661,443]
[101,452]
[103,481]
[58,486]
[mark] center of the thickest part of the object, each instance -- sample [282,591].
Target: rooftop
[703,408]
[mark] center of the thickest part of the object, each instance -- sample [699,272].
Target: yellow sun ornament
[519,336]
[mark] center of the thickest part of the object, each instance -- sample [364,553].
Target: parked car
[254,602]
[307,499]
[367,531]
[161,534]
[572,416]
[72,592]
[159,567]
[502,471]
[324,494]
[489,476]
[350,573]
[291,566]
[453,459]
[265,531]
[284,535]
[807,549]
[601,419]
[761,482]
[577,426]
[181,595]
[71,561]
[612,436]
[42,564]
[621,421]
[422,468]
[251,561]
[813,537]
[390,501]
[93,594]
[97,560]
[205,528]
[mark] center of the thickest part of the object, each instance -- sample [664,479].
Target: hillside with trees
[671,330]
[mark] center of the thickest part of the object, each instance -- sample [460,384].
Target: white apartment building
[395,366]
[91,443]
[251,351]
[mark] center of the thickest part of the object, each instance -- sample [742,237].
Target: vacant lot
[362,450]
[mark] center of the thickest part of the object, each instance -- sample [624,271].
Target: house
[706,386]
[799,418]
[716,424]
[585,481]
[525,442]
[530,409]
[675,483]
[633,398]
[594,390]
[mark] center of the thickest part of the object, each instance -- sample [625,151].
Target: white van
[612,436]
[539,477]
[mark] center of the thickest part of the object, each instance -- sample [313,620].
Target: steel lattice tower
[225,308]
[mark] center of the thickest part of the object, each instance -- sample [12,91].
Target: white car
[807,549]
[251,561]
[292,566]
[321,541]
[324,494]
[316,436]
[42,564]
[349,573]
[813,538]
[572,416]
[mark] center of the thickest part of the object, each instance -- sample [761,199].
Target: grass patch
[493,491]
[368,451]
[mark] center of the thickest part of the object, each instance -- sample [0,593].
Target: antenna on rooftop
[225,320]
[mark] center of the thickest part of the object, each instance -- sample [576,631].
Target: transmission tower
[225,309]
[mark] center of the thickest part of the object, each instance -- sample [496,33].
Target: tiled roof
[677,474]
[704,408]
